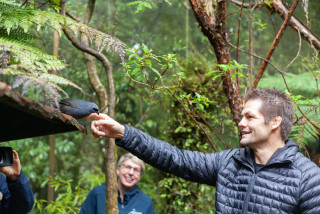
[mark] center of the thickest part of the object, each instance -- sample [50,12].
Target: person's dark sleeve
[88,206]
[95,203]
[17,196]
[190,165]
[150,209]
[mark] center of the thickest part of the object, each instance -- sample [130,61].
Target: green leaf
[223,67]
[148,63]
[163,195]
[145,48]
[213,72]
[130,57]
[267,3]
[136,70]
[157,72]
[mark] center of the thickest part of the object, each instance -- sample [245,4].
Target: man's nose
[242,122]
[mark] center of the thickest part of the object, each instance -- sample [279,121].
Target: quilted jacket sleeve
[309,198]
[190,165]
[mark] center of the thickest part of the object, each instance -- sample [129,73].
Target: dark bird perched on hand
[77,108]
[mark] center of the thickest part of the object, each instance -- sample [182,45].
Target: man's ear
[276,122]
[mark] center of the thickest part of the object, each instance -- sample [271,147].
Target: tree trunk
[51,168]
[109,107]
[213,27]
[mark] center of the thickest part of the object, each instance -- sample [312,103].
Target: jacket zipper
[248,193]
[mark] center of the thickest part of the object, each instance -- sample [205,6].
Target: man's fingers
[95,128]
[97,123]
[93,115]
[96,135]
[101,116]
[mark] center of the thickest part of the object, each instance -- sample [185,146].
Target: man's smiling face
[252,126]
[129,174]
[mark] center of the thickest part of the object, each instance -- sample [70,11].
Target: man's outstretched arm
[190,165]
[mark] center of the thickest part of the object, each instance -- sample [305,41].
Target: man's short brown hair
[274,103]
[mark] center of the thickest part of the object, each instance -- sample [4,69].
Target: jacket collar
[285,154]
[128,195]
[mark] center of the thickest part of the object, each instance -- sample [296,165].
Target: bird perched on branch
[77,108]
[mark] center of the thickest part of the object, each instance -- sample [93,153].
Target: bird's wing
[65,102]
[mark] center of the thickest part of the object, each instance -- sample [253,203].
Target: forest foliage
[167,81]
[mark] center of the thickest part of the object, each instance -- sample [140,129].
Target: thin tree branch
[240,4]
[295,58]
[72,16]
[145,84]
[142,115]
[282,73]
[295,23]
[274,44]
[272,22]
[256,56]
[190,115]
[250,58]
[239,28]
[208,125]
[303,25]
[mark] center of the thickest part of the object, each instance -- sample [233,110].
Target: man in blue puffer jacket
[268,175]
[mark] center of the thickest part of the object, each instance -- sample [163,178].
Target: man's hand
[106,126]
[12,172]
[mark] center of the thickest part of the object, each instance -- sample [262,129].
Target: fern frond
[303,132]
[29,64]
[19,80]
[4,59]
[30,57]
[13,17]
[101,40]
[51,90]
[59,80]
[17,34]
[9,2]
[45,78]
[12,70]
